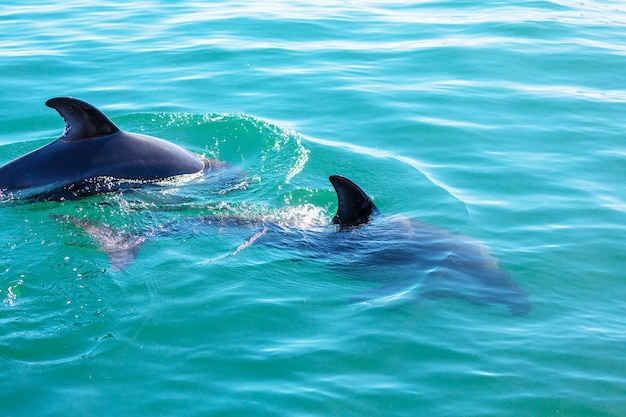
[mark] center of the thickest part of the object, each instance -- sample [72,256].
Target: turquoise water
[503,121]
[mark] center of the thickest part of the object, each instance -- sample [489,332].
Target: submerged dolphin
[405,253]
[95,156]
[402,255]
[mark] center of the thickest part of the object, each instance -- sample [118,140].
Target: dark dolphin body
[95,156]
[402,255]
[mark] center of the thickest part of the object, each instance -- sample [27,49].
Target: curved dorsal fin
[82,120]
[355,207]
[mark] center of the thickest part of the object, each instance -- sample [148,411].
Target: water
[503,121]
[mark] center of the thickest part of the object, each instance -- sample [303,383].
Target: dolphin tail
[355,207]
[121,247]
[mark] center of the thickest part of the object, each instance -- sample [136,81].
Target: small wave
[421,167]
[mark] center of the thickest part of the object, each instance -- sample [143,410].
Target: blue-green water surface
[500,120]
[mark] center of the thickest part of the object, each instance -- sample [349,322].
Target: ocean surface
[504,121]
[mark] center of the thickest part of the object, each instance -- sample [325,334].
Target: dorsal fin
[355,207]
[82,120]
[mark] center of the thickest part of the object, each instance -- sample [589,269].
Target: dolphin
[401,255]
[408,253]
[94,156]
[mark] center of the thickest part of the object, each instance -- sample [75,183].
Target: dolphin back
[94,156]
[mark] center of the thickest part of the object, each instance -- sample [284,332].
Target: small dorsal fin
[355,207]
[82,120]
